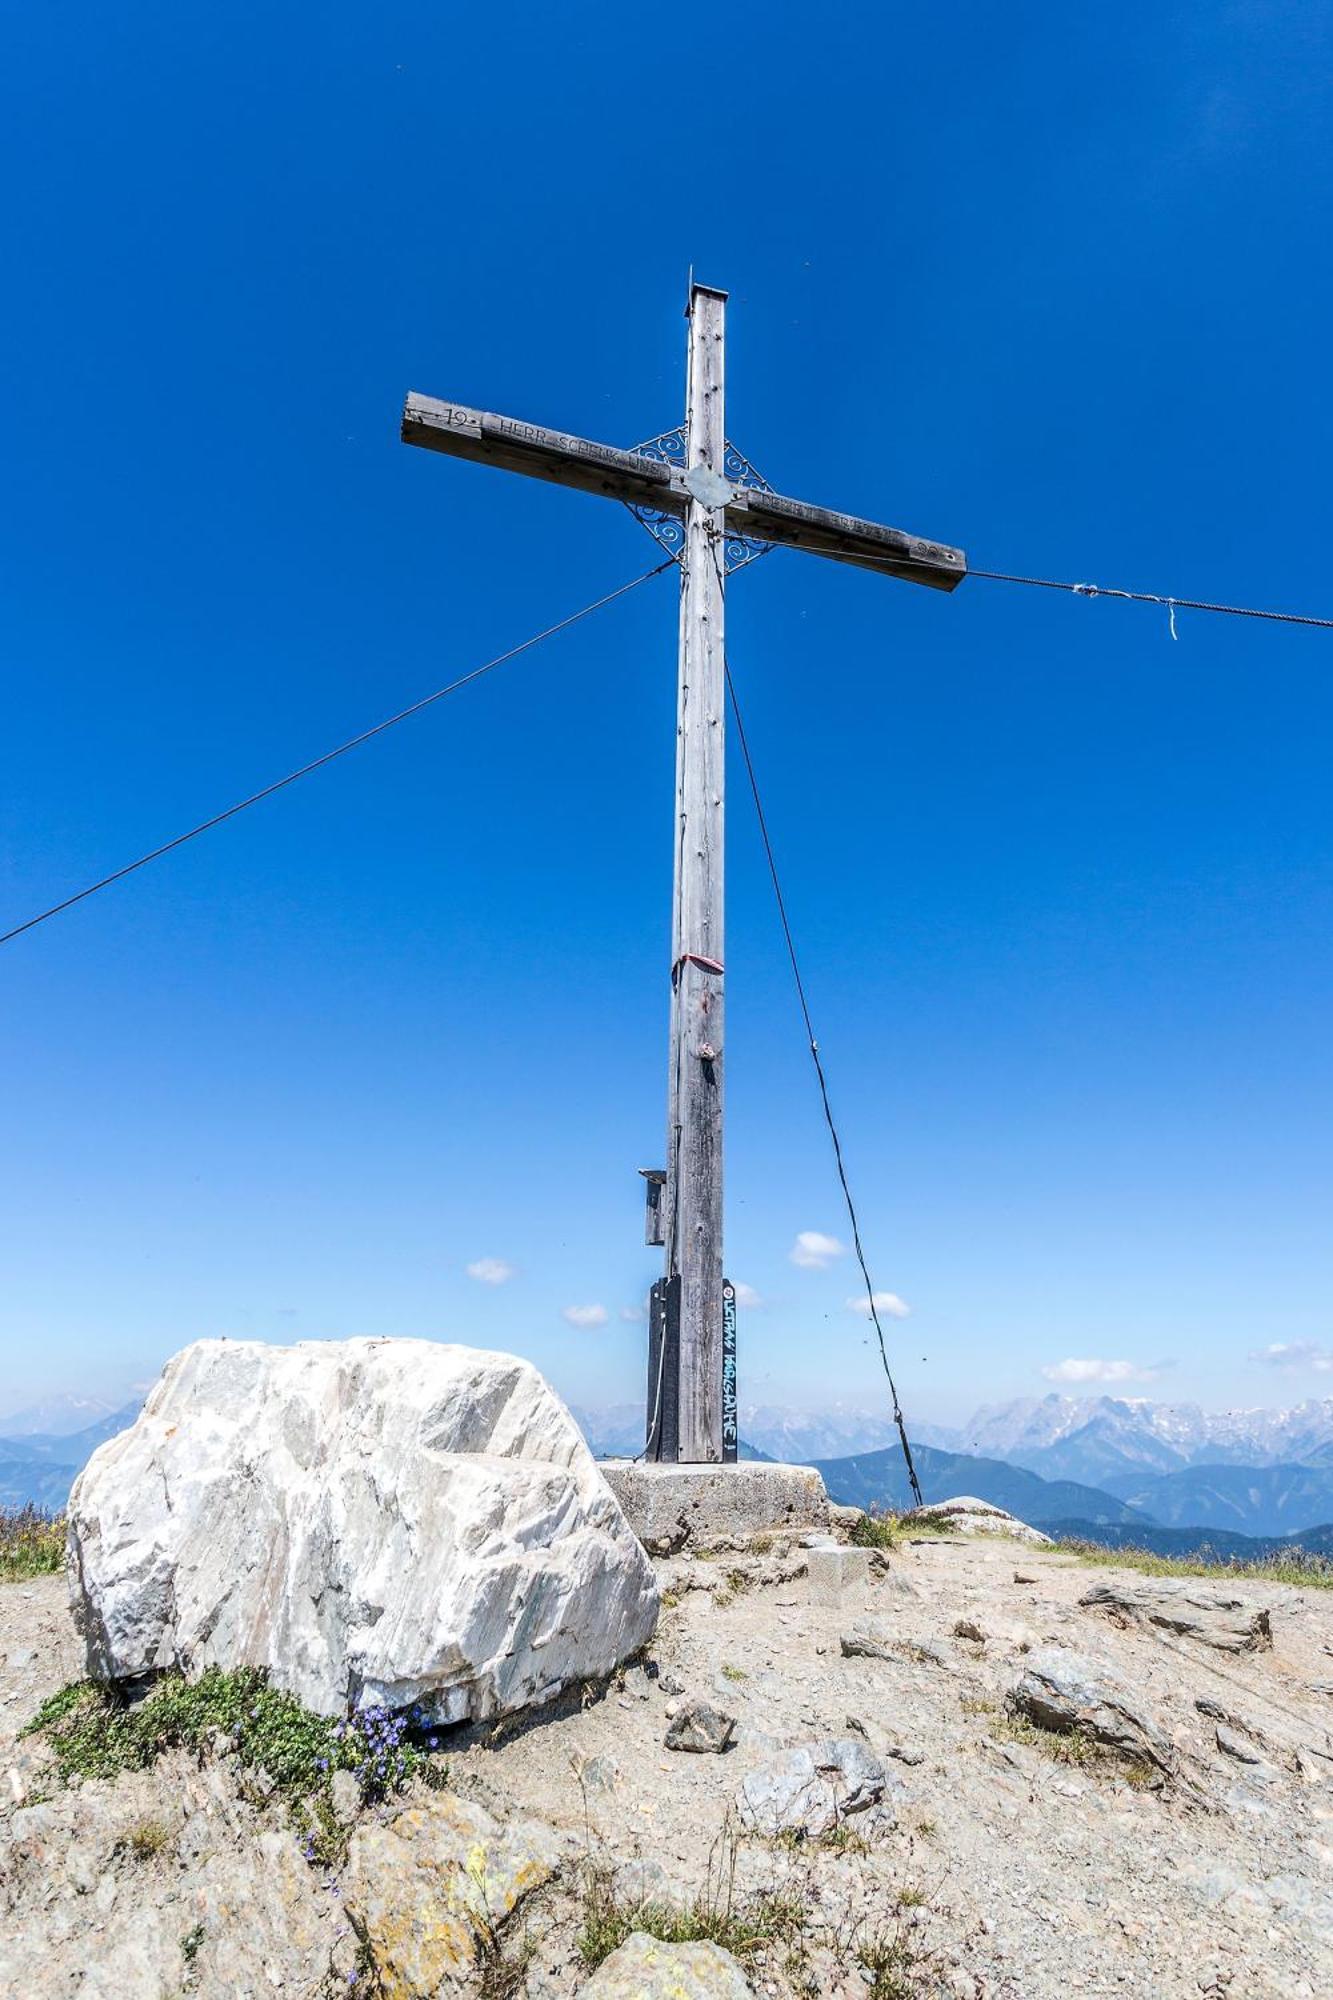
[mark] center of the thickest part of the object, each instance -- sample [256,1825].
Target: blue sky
[1046,283]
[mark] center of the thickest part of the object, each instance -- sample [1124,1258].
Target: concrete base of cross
[673,1507]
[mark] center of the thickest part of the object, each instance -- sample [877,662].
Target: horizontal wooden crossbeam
[565,460]
[792,524]
[542,454]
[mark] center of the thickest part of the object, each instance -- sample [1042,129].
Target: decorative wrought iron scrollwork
[741,549]
[668,449]
[669,529]
[738,469]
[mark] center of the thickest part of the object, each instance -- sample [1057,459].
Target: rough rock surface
[812,1789]
[389,1521]
[1066,1691]
[1233,1743]
[429,1889]
[970,1516]
[700,1727]
[227,1900]
[1191,1609]
[1006,1873]
[871,1639]
[646,1969]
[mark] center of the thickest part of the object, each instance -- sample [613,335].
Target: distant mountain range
[38,1469]
[59,1416]
[1163,1474]
[878,1479]
[1205,1542]
[1248,1472]
[1251,1472]
[799,1437]
[793,1437]
[1250,1499]
[1091,1437]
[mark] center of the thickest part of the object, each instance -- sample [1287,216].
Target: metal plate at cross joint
[668,527]
[709,488]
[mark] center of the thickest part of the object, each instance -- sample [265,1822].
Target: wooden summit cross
[706,504]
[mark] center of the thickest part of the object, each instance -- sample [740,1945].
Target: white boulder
[393,1521]
[966,1515]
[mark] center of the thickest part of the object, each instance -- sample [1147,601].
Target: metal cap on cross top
[704,501]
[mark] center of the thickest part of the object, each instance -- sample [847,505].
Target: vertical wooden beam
[694,1137]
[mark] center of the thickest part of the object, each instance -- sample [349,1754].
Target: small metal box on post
[654,1220]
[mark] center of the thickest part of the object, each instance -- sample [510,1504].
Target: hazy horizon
[110,1397]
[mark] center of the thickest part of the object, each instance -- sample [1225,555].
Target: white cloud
[632,1314]
[885,1302]
[1296,1355]
[746,1295]
[585,1316]
[814,1251]
[1104,1371]
[491,1271]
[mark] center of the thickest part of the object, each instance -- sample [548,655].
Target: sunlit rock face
[393,1521]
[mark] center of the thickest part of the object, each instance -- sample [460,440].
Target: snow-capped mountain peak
[1085,1437]
[60,1416]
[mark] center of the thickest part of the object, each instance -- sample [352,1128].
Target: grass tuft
[742,1930]
[146,1840]
[1071,1747]
[32,1543]
[876,1531]
[888,1960]
[93,1733]
[778,1926]
[840,1839]
[501,1969]
[742,1926]
[1296,1565]
[888,1530]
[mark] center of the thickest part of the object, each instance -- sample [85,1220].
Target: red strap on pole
[694,958]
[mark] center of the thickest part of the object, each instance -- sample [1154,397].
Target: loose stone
[701,1728]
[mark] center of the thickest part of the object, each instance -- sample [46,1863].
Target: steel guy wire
[317,763]
[898,1418]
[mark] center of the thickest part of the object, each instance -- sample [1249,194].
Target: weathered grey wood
[687,1418]
[516,446]
[566,460]
[695,1087]
[795,525]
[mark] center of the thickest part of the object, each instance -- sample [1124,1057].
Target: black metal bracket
[662,1440]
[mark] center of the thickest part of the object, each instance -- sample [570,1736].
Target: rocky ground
[961,1854]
